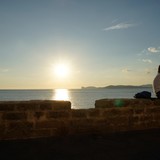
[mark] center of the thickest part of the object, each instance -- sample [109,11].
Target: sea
[79,98]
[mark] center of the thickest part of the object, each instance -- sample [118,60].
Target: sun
[61,70]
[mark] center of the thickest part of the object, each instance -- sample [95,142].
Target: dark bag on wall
[144,94]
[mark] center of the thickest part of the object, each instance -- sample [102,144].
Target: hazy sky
[102,42]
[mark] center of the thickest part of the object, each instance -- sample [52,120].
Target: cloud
[120,26]
[147,60]
[153,49]
[115,20]
[126,70]
[149,71]
[4,70]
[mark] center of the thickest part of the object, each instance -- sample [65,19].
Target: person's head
[159,69]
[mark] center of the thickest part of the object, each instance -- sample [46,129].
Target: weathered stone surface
[20,125]
[39,115]
[138,110]
[104,103]
[42,133]
[62,105]
[79,113]
[24,106]
[48,124]
[2,127]
[19,133]
[55,105]
[107,103]
[14,116]
[58,114]
[153,109]
[6,107]
[93,113]
[33,119]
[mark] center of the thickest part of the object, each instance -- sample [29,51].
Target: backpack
[143,94]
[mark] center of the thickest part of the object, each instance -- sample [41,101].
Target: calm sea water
[80,98]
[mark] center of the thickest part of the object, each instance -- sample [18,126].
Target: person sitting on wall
[156,83]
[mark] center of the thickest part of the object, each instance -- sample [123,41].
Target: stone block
[128,111]
[14,116]
[153,110]
[2,127]
[156,116]
[61,105]
[140,102]
[20,125]
[110,112]
[151,124]
[1,113]
[41,133]
[46,105]
[19,133]
[79,113]
[28,106]
[39,115]
[79,126]
[63,130]
[139,110]
[55,105]
[104,103]
[93,113]
[108,103]
[146,117]
[80,122]
[117,120]
[157,102]
[7,106]
[137,126]
[58,114]
[135,119]
[48,124]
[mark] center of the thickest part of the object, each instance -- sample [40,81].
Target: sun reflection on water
[61,94]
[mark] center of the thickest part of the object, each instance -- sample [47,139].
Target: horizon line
[72,88]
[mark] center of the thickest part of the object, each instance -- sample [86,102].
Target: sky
[98,43]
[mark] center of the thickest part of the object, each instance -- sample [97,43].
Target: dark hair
[159,69]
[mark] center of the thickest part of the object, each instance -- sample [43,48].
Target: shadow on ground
[144,145]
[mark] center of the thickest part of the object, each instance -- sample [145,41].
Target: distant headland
[119,86]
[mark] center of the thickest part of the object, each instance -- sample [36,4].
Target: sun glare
[61,94]
[61,70]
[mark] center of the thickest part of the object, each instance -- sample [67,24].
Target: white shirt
[156,83]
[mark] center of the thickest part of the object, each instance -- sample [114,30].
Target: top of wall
[34,105]
[109,103]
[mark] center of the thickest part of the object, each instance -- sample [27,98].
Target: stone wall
[110,103]
[33,119]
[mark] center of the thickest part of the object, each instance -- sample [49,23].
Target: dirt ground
[141,145]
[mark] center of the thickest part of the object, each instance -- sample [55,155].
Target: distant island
[119,86]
